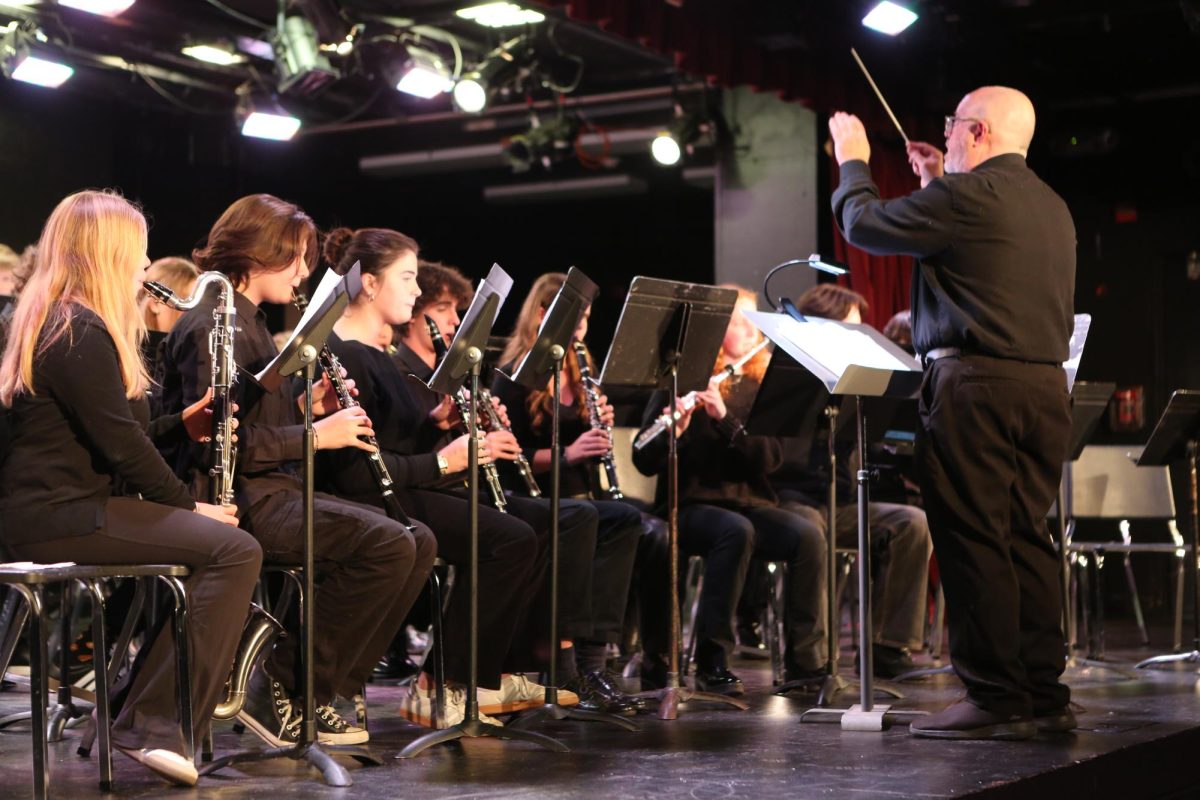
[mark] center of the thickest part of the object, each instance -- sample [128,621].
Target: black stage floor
[1138,738]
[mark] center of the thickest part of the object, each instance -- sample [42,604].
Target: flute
[689,401]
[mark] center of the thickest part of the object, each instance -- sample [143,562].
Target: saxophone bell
[260,630]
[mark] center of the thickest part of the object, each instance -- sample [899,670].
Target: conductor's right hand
[342,429]
[926,160]
[226,514]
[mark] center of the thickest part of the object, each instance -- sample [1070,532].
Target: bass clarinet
[224,376]
[379,471]
[490,473]
[591,397]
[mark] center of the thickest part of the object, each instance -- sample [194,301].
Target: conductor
[992,317]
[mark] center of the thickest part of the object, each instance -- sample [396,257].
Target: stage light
[23,57]
[105,8]
[213,54]
[889,18]
[470,95]
[500,15]
[41,72]
[262,117]
[299,63]
[665,149]
[423,74]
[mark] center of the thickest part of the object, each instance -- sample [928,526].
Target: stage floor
[1138,738]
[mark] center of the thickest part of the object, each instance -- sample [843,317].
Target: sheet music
[1083,323]
[838,345]
[325,290]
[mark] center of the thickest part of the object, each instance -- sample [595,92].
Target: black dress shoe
[609,695]
[719,681]
[1060,720]
[803,680]
[394,669]
[965,720]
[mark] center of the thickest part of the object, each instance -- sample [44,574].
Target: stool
[30,580]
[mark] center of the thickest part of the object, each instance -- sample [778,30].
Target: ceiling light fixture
[105,8]
[23,57]
[669,146]
[262,117]
[221,55]
[299,63]
[890,18]
[470,95]
[500,15]
[423,74]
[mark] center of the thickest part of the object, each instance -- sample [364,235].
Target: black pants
[508,562]
[990,446]
[225,563]
[370,570]
[617,536]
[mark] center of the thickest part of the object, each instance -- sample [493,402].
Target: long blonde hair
[174,272]
[90,249]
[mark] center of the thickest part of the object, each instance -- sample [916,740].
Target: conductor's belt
[939,352]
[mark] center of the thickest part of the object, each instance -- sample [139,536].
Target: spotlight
[22,58]
[889,18]
[669,146]
[500,15]
[542,143]
[665,149]
[470,95]
[423,74]
[299,62]
[218,54]
[105,8]
[262,117]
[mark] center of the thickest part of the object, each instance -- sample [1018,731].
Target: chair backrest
[633,483]
[1106,484]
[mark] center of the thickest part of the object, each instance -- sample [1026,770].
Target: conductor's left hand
[849,138]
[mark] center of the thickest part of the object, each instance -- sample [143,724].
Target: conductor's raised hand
[926,161]
[343,428]
[849,138]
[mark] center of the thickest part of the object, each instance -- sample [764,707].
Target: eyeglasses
[951,120]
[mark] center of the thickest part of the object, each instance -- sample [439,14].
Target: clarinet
[490,474]
[689,401]
[224,376]
[379,471]
[494,423]
[591,396]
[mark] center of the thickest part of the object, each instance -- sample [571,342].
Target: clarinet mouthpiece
[161,293]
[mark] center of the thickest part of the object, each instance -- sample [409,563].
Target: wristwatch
[443,465]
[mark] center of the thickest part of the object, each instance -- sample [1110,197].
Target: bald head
[1009,114]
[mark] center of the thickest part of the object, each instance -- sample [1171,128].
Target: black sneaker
[270,712]
[719,680]
[333,728]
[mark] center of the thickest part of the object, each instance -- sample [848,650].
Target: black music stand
[545,358]
[1178,434]
[790,403]
[668,337]
[299,357]
[859,362]
[463,358]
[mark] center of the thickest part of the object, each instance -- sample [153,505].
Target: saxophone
[224,376]
[490,473]
[383,479]
[494,423]
[591,397]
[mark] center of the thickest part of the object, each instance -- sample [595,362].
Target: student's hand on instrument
[606,411]
[444,415]
[926,161]
[685,416]
[457,454]
[198,421]
[714,404]
[325,399]
[226,514]
[849,138]
[343,428]
[501,411]
[502,445]
[591,443]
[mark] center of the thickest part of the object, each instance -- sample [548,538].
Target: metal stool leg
[103,717]
[119,653]
[39,681]
[183,664]
[64,709]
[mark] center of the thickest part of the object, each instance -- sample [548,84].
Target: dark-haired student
[73,381]
[509,562]
[371,568]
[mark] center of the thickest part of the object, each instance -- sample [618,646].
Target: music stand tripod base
[478,729]
[671,697]
[854,718]
[320,758]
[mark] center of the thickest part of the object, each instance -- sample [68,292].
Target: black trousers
[370,570]
[991,441]
[618,533]
[225,563]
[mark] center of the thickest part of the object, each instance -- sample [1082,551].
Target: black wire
[775,269]
[233,12]
[172,99]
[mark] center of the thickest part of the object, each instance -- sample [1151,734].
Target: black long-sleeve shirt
[78,439]
[270,430]
[400,423]
[996,251]
[719,463]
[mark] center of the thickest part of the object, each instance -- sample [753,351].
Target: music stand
[544,358]
[464,358]
[855,361]
[668,337]
[786,387]
[1177,434]
[299,356]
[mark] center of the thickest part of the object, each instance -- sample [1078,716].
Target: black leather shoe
[608,689]
[1061,720]
[804,680]
[394,669]
[965,720]
[719,681]
[592,698]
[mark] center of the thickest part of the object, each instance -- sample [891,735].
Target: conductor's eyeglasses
[951,120]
